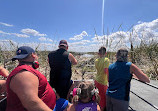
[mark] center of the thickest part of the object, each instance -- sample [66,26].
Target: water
[87,55]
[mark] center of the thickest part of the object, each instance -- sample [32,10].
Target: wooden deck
[145,97]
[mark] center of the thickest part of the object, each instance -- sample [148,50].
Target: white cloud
[8,45]
[82,42]
[153,25]
[40,46]
[47,46]
[42,39]
[112,41]
[45,39]
[14,34]
[99,39]
[80,36]
[2,32]
[115,40]
[146,31]
[86,41]
[84,33]
[146,25]
[81,46]
[19,35]
[143,31]
[50,40]
[5,24]
[84,48]
[139,22]
[32,32]
[77,37]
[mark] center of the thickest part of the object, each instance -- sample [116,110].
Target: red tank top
[45,92]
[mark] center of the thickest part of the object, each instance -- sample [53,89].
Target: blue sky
[45,22]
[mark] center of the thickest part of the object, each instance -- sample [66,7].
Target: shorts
[102,93]
[116,104]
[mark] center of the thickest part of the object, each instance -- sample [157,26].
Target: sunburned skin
[2,95]
[2,89]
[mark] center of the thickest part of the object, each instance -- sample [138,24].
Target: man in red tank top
[27,88]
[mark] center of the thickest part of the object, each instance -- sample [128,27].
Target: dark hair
[86,90]
[102,50]
[122,55]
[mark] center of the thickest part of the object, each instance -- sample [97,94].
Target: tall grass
[145,55]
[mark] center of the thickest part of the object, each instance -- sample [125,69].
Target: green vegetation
[147,56]
[144,56]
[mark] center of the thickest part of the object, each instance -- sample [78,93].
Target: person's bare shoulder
[72,59]
[25,85]
[24,82]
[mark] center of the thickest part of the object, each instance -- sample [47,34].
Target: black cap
[23,52]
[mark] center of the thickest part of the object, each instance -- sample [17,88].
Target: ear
[33,55]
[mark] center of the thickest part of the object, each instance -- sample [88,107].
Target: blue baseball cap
[23,52]
[61,104]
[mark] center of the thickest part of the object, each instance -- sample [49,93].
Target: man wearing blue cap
[27,88]
[60,74]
